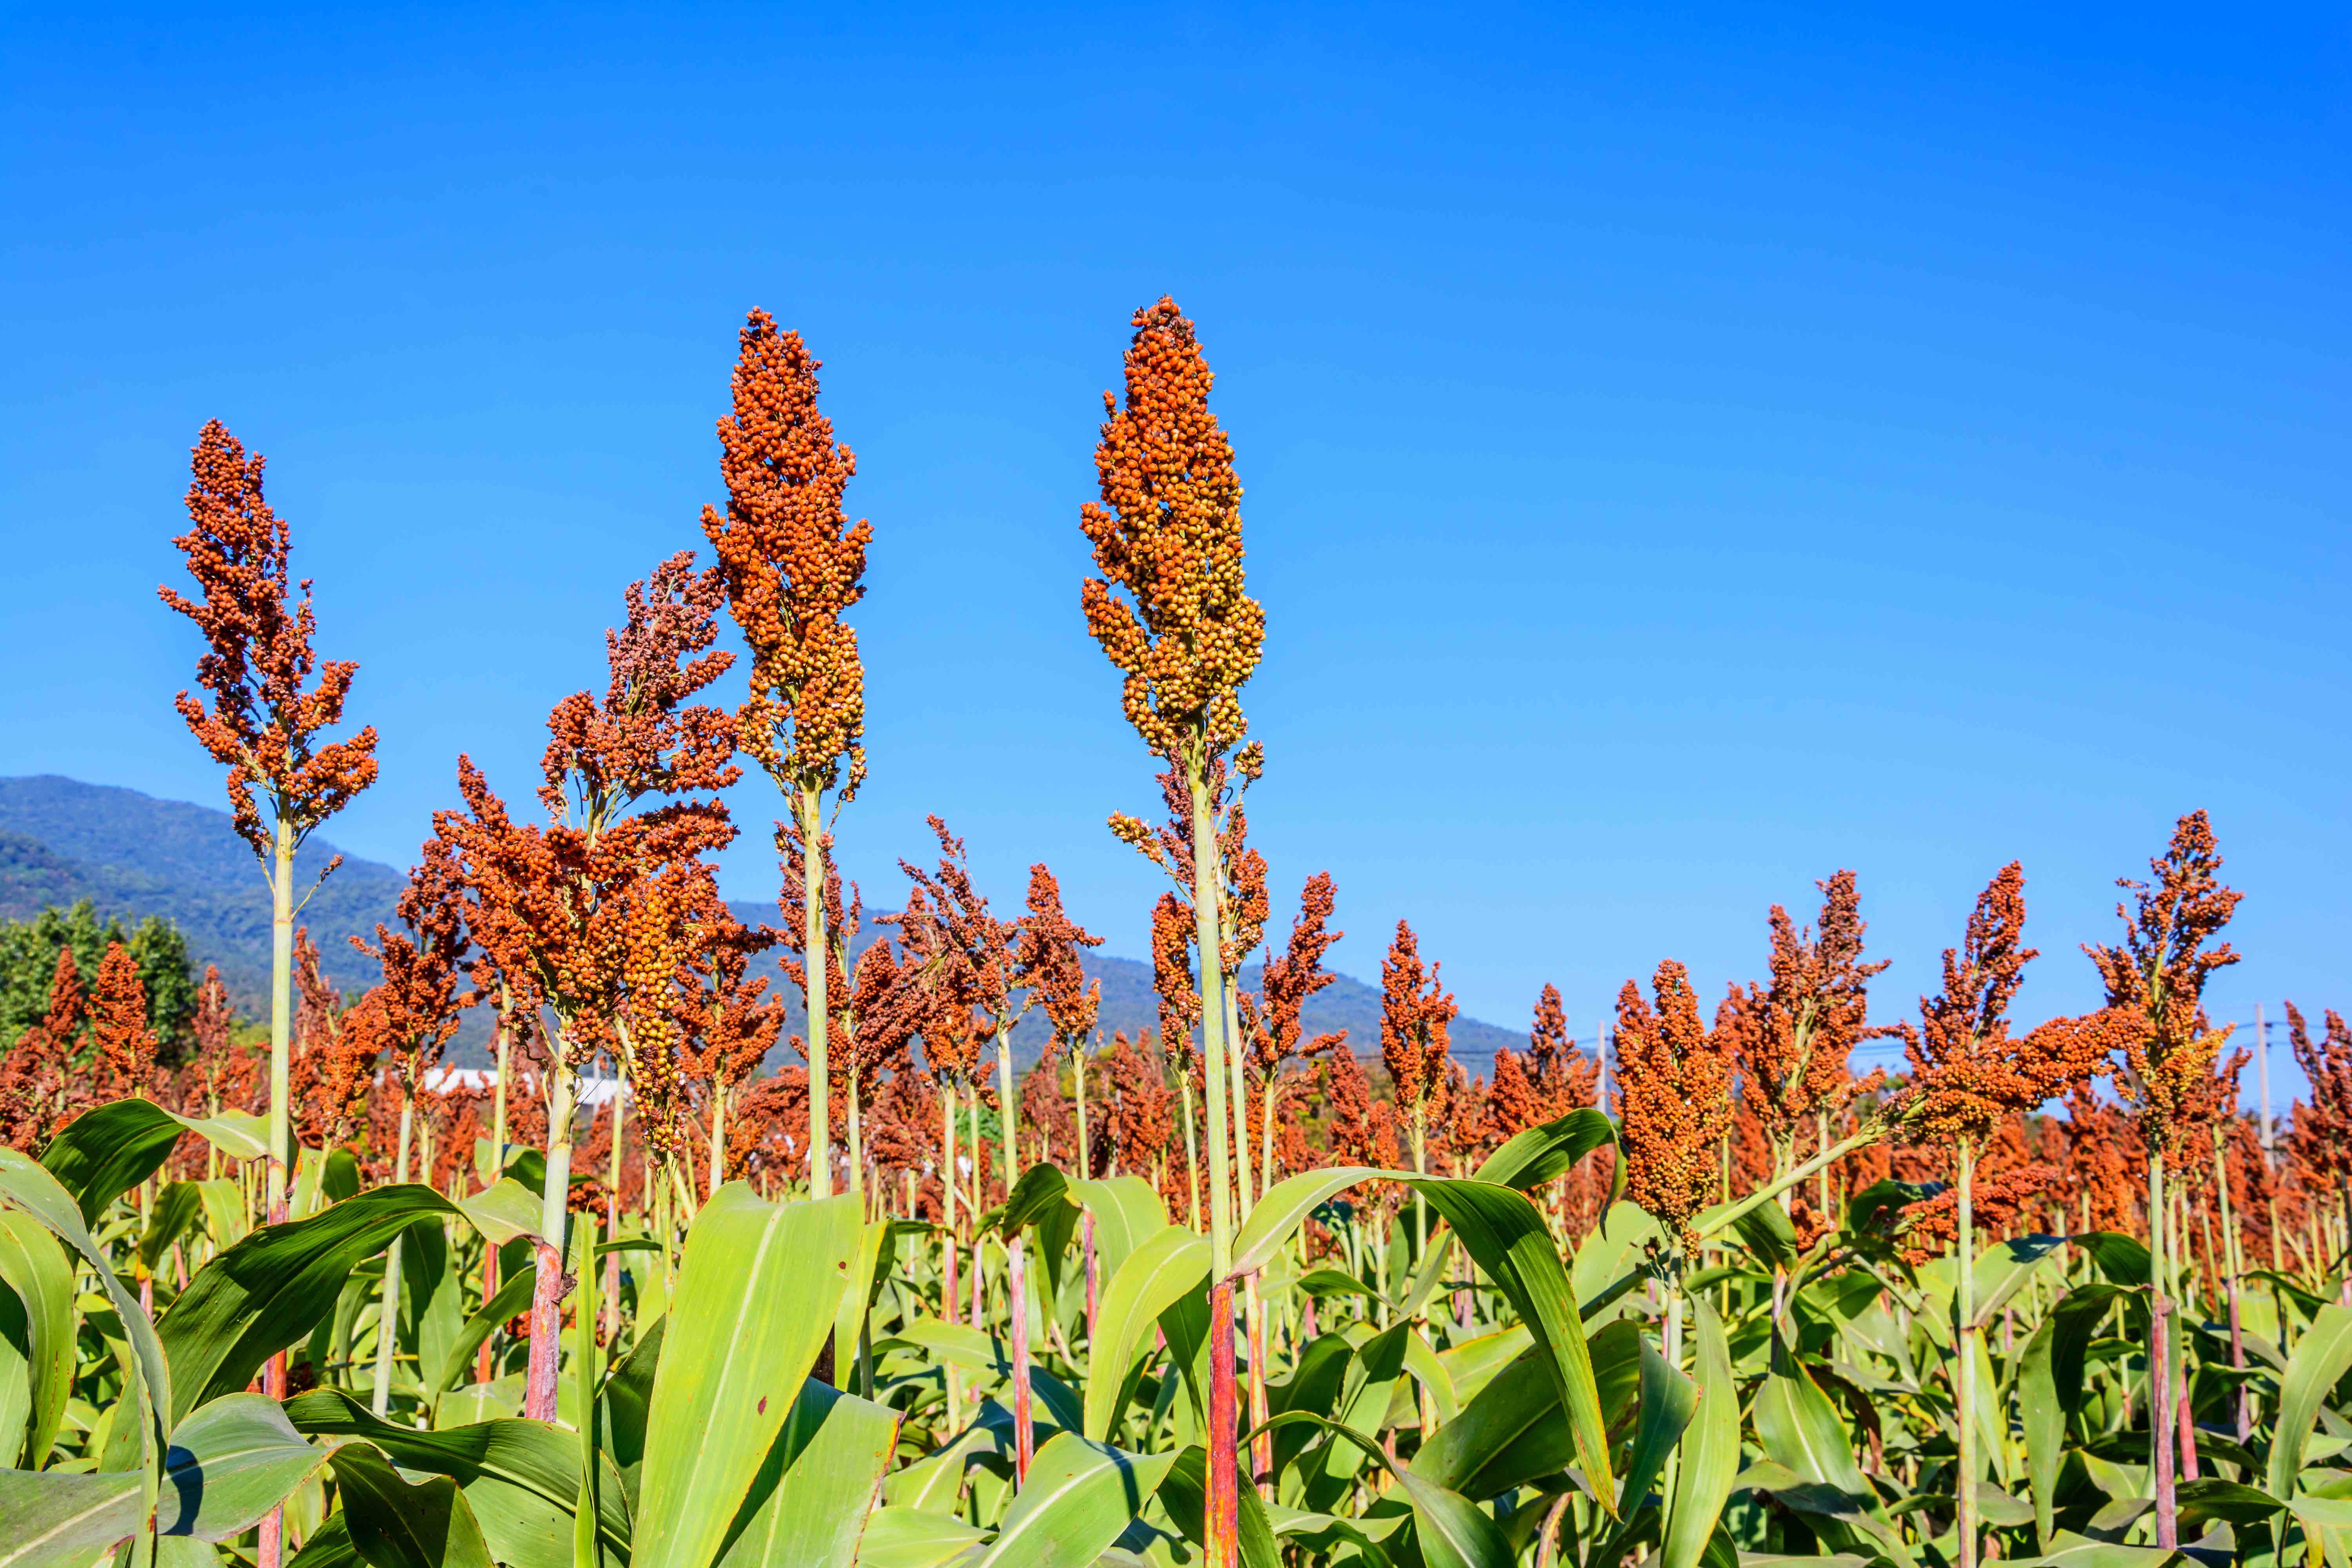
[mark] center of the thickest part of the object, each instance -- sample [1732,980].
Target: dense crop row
[1218,1293]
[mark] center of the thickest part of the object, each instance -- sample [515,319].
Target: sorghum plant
[793,564]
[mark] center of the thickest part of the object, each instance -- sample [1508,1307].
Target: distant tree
[28,962]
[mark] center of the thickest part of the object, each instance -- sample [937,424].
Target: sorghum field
[1224,1293]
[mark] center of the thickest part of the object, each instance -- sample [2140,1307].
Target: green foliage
[28,963]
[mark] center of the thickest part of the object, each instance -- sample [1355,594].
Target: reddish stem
[1024,1437]
[2159,1426]
[546,1334]
[1222,1523]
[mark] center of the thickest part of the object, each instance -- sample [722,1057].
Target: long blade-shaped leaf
[1165,1267]
[394,1524]
[2050,1389]
[1503,1231]
[1080,1496]
[57,1520]
[522,1478]
[231,1462]
[456,1363]
[33,1266]
[757,1291]
[1535,1156]
[1669,1399]
[2321,1357]
[271,1288]
[110,1149]
[1451,1530]
[810,1502]
[1128,1214]
[1710,1446]
[31,1188]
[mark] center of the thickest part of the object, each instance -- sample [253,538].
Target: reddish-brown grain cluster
[262,724]
[1968,1071]
[794,565]
[1416,1018]
[1167,534]
[1673,1100]
[2156,980]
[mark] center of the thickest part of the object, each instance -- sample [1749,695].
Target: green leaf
[34,1266]
[1604,1259]
[1669,1399]
[32,1189]
[2002,1268]
[1535,1156]
[1183,1497]
[520,1478]
[393,1524]
[811,1500]
[2071,1551]
[329,1546]
[757,1291]
[1504,1231]
[2123,1259]
[177,1207]
[432,1315]
[1710,1446]
[1042,1188]
[1450,1530]
[230,1463]
[1280,1212]
[457,1366]
[271,1288]
[1316,1381]
[2050,1390]
[1512,1432]
[1171,1264]
[225,1215]
[916,1538]
[111,1148]
[1799,1426]
[2321,1357]
[57,1520]
[2206,1499]
[1080,1496]
[1127,1212]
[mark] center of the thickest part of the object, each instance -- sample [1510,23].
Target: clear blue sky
[1685,455]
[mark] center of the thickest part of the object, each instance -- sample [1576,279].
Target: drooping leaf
[111,1148]
[1532,1157]
[1080,1496]
[757,1291]
[34,1267]
[271,1288]
[520,1478]
[231,1462]
[1450,1530]
[1504,1231]
[32,1189]
[395,1525]
[2122,1259]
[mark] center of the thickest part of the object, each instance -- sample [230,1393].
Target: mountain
[132,854]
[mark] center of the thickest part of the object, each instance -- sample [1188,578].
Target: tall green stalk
[2160,1436]
[813,955]
[387,1312]
[1964,1301]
